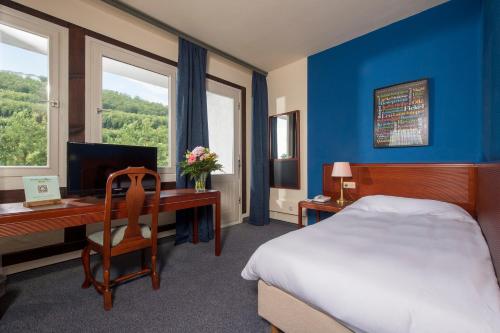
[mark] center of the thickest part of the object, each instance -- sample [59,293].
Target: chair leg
[155,279]
[86,267]
[108,302]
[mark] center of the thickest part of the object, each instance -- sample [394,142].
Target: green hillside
[23,121]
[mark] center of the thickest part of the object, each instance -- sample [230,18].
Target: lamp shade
[341,169]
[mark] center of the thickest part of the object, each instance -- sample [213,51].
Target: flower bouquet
[198,164]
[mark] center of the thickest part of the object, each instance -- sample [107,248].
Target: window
[131,100]
[33,77]
[24,92]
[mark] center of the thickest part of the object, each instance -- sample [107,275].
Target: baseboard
[291,218]
[231,224]
[282,217]
[26,266]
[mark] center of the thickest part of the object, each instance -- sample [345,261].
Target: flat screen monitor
[90,164]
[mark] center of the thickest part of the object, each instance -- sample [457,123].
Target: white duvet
[389,264]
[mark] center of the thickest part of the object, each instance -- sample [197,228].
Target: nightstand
[330,206]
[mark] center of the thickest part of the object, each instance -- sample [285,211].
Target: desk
[16,220]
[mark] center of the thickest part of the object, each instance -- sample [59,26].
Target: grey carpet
[199,292]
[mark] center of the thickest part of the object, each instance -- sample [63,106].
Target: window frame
[95,50]
[57,119]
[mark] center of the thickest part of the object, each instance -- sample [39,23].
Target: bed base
[291,315]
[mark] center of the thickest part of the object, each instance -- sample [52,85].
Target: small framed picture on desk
[41,191]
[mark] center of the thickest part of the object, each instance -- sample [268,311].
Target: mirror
[284,150]
[283,136]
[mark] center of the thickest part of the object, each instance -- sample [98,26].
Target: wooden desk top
[92,202]
[15,219]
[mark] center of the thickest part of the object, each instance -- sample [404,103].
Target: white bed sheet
[379,266]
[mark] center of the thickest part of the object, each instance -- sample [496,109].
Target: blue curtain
[259,187]
[192,131]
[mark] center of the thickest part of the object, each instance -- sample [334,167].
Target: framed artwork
[401,115]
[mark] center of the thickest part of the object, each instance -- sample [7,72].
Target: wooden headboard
[488,209]
[455,183]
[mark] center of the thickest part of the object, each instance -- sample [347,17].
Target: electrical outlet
[349,184]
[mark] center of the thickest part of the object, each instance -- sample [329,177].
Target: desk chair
[112,242]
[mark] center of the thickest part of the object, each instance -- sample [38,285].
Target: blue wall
[443,44]
[491,80]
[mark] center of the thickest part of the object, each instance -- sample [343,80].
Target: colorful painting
[401,115]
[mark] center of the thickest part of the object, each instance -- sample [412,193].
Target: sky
[20,60]
[15,59]
[132,87]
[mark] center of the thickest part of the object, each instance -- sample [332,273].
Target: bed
[383,264]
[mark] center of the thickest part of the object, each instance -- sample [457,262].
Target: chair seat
[117,235]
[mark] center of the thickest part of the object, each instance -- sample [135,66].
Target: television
[90,164]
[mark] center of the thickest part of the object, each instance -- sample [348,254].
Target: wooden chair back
[134,201]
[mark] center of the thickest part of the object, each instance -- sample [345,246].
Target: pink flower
[204,156]
[198,151]
[191,159]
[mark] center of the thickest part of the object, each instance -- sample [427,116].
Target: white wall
[287,87]
[99,17]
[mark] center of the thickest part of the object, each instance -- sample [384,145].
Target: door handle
[54,103]
[101,110]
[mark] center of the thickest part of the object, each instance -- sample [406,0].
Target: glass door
[223,106]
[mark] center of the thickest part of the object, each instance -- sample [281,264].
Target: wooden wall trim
[455,183]
[76,108]
[76,84]
[488,209]
[9,196]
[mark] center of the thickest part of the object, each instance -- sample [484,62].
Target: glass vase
[200,182]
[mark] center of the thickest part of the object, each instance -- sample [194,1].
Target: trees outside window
[131,100]
[33,98]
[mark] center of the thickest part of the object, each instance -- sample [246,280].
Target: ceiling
[271,33]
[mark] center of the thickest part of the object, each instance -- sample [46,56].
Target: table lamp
[341,169]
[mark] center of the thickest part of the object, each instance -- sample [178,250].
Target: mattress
[388,264]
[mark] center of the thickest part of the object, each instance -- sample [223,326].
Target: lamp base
[343,202]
